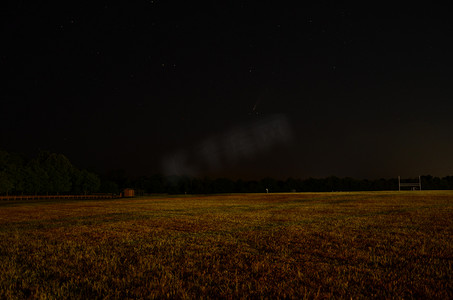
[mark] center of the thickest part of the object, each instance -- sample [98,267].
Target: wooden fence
[57,197]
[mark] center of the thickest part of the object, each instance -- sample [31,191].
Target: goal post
[411,185]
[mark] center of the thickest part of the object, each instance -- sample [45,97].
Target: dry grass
[360,245]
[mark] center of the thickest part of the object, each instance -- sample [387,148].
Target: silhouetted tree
[157,184]
[222,185]
[240,186]
[120,177]
[108,186]
[85,182]
[6,184]
[59,172]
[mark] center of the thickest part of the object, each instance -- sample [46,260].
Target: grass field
[310,245]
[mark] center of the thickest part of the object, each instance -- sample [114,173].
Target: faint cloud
[232,147]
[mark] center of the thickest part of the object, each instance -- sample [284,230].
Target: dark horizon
[54,174]
[22,161]
[238,90]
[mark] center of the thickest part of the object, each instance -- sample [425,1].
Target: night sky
[239,89]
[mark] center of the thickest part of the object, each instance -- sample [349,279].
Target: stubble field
[310,245]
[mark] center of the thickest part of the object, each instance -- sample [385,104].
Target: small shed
[128,193]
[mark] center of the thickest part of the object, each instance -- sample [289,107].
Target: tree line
[183,184]
[47,173]
[53,174]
